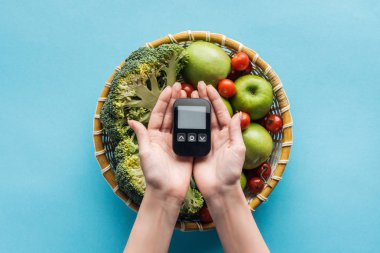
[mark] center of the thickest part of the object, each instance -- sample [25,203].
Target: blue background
[56,55]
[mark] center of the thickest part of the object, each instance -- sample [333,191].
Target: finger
[183,94]
[194,94]
[168,117]
[158,113]
[141,134]
[234,129]
[202,91]
[220,109]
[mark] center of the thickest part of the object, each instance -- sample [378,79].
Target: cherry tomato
[256,185]
[226,88]
[245,120]
[262,120]
[273,123]
[188,88]
[250,173]
[234,75]
[264,170]
[248,70]
[204,215]
[240,61]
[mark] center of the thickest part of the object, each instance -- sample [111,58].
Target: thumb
[141,134]
[236,138]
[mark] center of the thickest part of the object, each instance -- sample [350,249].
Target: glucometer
[191,127]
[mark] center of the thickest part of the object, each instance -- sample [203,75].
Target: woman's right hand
[167,175]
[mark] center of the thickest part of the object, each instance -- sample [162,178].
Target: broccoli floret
[143,53]
[124,149]
[130,178]
[114,120]
[192,204]
[175,60]
[135,88]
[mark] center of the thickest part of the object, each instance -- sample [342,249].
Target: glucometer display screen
[191,117]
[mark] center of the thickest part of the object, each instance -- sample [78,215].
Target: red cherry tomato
[234,75]
[250,173]
[273,123]
[240,61]
[262,120]
[245,120]
[256,185]
[264,170]
[188,88]
[226,88]
[204,215]
[248,70]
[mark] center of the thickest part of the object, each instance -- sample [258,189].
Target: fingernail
[240,115]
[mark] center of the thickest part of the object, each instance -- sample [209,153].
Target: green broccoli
[133,94]
[192,204]
[131,181]
[175,59]
[125,148]
[135,88]
[130,178]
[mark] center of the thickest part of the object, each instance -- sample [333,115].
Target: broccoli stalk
[175,57]
[147,98]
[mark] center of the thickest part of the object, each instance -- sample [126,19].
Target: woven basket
[282,140]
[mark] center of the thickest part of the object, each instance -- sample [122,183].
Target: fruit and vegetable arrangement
[147,71]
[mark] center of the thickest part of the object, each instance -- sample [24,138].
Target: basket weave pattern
[282,140]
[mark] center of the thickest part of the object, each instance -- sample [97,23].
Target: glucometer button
[181,137]
[202,137]
[191,137]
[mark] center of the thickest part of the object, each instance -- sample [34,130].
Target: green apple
[228,105]
[206,62]
[254,96]
[258,143]
[243,180]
